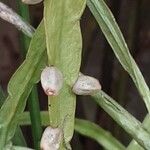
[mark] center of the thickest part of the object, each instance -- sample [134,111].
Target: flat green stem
[130,124]
[64,48]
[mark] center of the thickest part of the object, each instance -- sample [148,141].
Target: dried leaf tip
[51,139]
[51,80]
[86,85]
[31,2]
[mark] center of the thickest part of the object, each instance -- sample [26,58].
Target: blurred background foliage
[98,60]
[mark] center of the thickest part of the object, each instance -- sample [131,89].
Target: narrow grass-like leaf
[130,124]
[84,127]
[95,132]
[134,145]
[115,38]
[20,86]
[64,45]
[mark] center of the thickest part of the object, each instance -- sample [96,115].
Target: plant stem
[34,109]
[33,102]
[130,15]
[10,16]
[130,124]
[25,40]
[25,120]
[133,144]
[84,127]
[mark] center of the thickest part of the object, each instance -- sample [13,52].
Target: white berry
[86,85]
[51,80]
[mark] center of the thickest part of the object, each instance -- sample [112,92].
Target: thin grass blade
[115,38]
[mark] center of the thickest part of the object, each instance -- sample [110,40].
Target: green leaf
[33,100]
[130,124]
[64,45]
[25,120]
[20,86]
[84,127]
[95,132]
[115,38]
[18,138]
[133,144]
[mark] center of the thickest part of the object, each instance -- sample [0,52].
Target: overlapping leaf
[21,84]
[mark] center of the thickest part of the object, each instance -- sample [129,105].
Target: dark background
[133,17]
